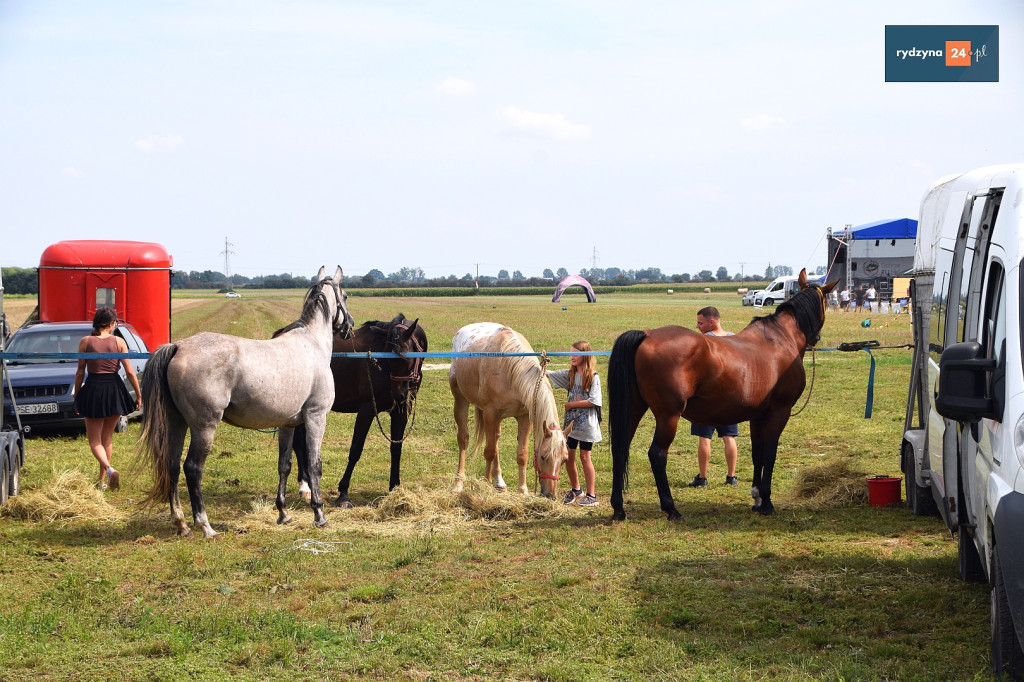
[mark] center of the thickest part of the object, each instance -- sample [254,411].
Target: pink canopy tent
[573,280]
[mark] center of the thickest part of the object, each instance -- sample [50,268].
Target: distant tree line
[26,281]
[20,280]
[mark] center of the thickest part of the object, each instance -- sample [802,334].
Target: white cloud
[160,143]
[72,172]
[543,125]
[761,122]
[455,86]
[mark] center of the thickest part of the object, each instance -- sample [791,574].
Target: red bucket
[884,490]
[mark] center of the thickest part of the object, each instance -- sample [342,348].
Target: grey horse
[197,382]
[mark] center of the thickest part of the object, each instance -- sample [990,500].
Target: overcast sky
[442,135]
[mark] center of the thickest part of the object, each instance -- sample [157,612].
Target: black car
[44,387]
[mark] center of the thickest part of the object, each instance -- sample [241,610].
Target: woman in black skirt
[104,398]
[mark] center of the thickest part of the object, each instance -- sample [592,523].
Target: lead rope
[811,389]
[373,400]
[536,394]
[814,364]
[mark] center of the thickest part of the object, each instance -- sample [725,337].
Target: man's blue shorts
[709,431]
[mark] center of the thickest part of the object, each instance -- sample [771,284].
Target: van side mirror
[965,379]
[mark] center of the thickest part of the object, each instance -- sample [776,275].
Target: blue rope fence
[362,356]
[866,346]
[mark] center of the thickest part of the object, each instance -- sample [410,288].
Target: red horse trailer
[134,278]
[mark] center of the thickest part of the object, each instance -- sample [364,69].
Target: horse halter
[536,393]
[338,322]
[824,303]
[416,375]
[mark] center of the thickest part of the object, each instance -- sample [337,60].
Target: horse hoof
[320,524]
[765,509]
[618,515]
[211,534]
[343,503]
[674,516]
[283,519]
[184,532]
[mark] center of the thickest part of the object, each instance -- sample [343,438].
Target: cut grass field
[421,584]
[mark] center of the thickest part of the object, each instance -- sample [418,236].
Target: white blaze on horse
[503,387]
[194,384]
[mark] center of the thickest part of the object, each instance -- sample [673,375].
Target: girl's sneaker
[587,501]
[572,496]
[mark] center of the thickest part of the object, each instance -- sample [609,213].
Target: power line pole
[227,253]
[593,260]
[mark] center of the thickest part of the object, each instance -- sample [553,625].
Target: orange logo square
[958,53]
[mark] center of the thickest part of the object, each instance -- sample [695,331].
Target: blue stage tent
[902,228]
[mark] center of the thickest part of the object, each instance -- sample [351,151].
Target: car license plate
[38,408]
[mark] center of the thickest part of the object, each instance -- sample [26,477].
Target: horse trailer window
[105,297]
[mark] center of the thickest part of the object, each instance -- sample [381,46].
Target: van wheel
[971,570]
[14,487]
[769,301]
[122,424]
[919,499]
[5,479]
[1007,657]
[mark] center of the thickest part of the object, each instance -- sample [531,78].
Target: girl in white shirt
[583,409]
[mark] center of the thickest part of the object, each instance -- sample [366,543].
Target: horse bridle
[536,468]
[414,376]
[824,308]
[536,393]
[336,288]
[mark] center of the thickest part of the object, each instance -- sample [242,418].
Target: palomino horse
[194,384]
[369,387]
[756,375]
[501,387]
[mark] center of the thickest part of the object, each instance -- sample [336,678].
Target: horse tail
[622,390]
[478,429]
[301,453]
[160,410]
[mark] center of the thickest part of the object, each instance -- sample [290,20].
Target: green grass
[850,592]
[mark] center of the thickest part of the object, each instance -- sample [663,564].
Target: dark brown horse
[368,387]
[756,375]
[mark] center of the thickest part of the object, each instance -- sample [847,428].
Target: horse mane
[522,372]
[382,326]
[806,309]
[315,301]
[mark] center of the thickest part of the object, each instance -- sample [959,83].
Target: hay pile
[68,496]
[833,483]
[415,511]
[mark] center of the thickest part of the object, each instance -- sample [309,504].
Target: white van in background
[963,444]
[781,289]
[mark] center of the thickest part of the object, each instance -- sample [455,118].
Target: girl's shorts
[581,444]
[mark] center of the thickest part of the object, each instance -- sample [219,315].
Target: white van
[781,289]
[963,442]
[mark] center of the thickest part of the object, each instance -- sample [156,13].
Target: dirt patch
[18,310]
[180,304]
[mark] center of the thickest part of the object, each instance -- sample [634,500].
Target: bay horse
[194,384]
[502,387]
[369,387]
[755,375]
